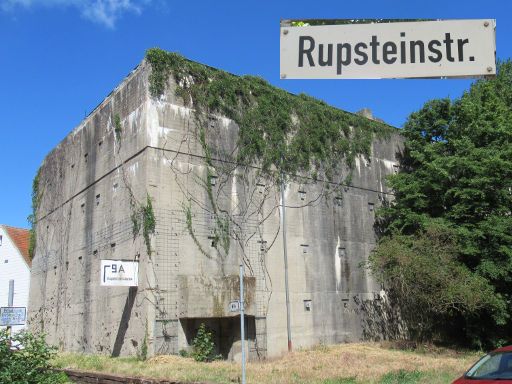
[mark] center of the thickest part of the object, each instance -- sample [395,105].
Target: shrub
[25,359]
[203,345]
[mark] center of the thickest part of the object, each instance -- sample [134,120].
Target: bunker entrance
[226,333]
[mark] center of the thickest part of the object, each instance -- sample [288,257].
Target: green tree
[456,175]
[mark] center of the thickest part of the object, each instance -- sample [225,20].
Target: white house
[15,265]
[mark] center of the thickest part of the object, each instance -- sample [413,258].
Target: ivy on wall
[143,217]
[32,218]
[279,131]
[283,135]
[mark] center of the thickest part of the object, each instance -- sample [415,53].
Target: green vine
[144,217]
[283,134]
[221,233]
[32,218]
[188,219]
[117,127]
[143,355]
[149,222]
[280,132]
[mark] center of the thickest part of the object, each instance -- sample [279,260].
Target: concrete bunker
[89,204]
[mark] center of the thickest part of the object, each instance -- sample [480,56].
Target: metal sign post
[10,303]
[287,292]
[242,325]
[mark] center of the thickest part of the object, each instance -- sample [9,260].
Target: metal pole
[10,299]
[242,325]
[10,302]
[283,226]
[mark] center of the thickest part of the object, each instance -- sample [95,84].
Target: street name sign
[13,316]
[119,273]
[413,49]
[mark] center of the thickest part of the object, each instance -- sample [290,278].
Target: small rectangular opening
[213,240]
[263,245]
[302,195]
[98,199]
[213,180]
[371,207]
[307,305]
[305,248]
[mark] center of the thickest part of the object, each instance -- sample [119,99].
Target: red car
[493,368]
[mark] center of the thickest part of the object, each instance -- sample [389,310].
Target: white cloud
[105,12]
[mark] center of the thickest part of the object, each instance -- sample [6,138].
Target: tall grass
[362,363]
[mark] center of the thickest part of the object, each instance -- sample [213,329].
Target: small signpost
[10,316]
[238,306]
[242,326]
[119,273]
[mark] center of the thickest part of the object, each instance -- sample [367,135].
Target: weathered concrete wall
[158,155]
[86,185]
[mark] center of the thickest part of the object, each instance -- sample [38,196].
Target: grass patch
[341,380]
[402,377]
[361,363]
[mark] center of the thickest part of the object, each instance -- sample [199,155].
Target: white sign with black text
[13,316]
[416,49]
[119,273]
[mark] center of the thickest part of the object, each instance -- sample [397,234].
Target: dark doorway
[225,330]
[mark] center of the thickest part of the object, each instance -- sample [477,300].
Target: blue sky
[60,58]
